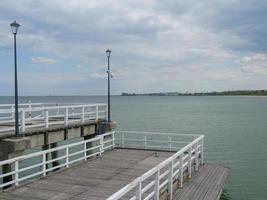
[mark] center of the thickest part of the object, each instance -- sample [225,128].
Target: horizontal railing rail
[47,115]
[162,177]
[38,164]
[153,140]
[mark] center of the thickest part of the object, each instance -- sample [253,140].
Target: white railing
[7,111]
[187,156]
[47,115]
[36,165]
[162,177]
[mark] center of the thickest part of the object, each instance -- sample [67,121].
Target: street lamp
[108,52]
[14,28]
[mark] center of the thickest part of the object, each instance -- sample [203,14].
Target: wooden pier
[123,165]
[100,177]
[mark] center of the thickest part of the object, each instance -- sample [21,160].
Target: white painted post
[181,171]
[66,118]
[30,109]
[145,141]
[22,120]
[139,191]
[67,157]
[46,118]
[170,182]
[57,110]
[196,157]
[82,117]
[202,151]
[101,144]
[44,164]
[96,112]
[12,112]
[16,173]
[106,113]
[170,142]
[113,139]
[85,150]
[190,163]
[122,139]
[156,189]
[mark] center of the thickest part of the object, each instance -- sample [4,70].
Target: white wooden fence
[188,155]
[153,182]
[38,164]
[36,115]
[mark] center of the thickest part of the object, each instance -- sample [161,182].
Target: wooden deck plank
[207,184]
[100,177]
[96,179]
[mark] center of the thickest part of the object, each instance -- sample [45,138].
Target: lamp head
[108,52]
[14,27]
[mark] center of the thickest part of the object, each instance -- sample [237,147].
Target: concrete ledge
[74,133]
[16,144]
[37,131]
[13,147]
[37,140]
[55,136]
[88,130]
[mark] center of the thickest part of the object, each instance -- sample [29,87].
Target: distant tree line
[224,93]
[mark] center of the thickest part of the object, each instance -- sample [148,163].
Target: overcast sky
[168,45]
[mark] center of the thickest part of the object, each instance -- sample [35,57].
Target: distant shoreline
[224,93]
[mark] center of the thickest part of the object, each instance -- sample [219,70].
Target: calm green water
[235,130]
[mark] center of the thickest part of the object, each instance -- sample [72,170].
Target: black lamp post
[108,52]
[14,28]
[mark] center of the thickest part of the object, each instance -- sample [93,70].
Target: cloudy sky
[157,45]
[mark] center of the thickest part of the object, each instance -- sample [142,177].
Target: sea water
[235,129]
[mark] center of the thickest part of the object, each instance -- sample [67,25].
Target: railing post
[113,139]
[82,117]
[96,112]
[190,163]
[85,150]
[139,190]
[202,151]
[12,112]
[196,157]
[57,110]
[16,173]
[170,142]
[106,113]
[122,139]
[30,109]
[156,189]
[22,120]
[101,144]
[181,170]
[67,157]
[145,141]
[46,118]
[44,164]
[66,118]
[170,182]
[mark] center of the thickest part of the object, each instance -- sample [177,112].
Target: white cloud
[97,75]
[154,46]
[43,60]
[79,66]
[255,64]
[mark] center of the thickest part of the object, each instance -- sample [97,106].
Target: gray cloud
[157,45]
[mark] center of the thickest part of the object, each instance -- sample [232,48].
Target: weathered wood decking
[101,177]
[207,184]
